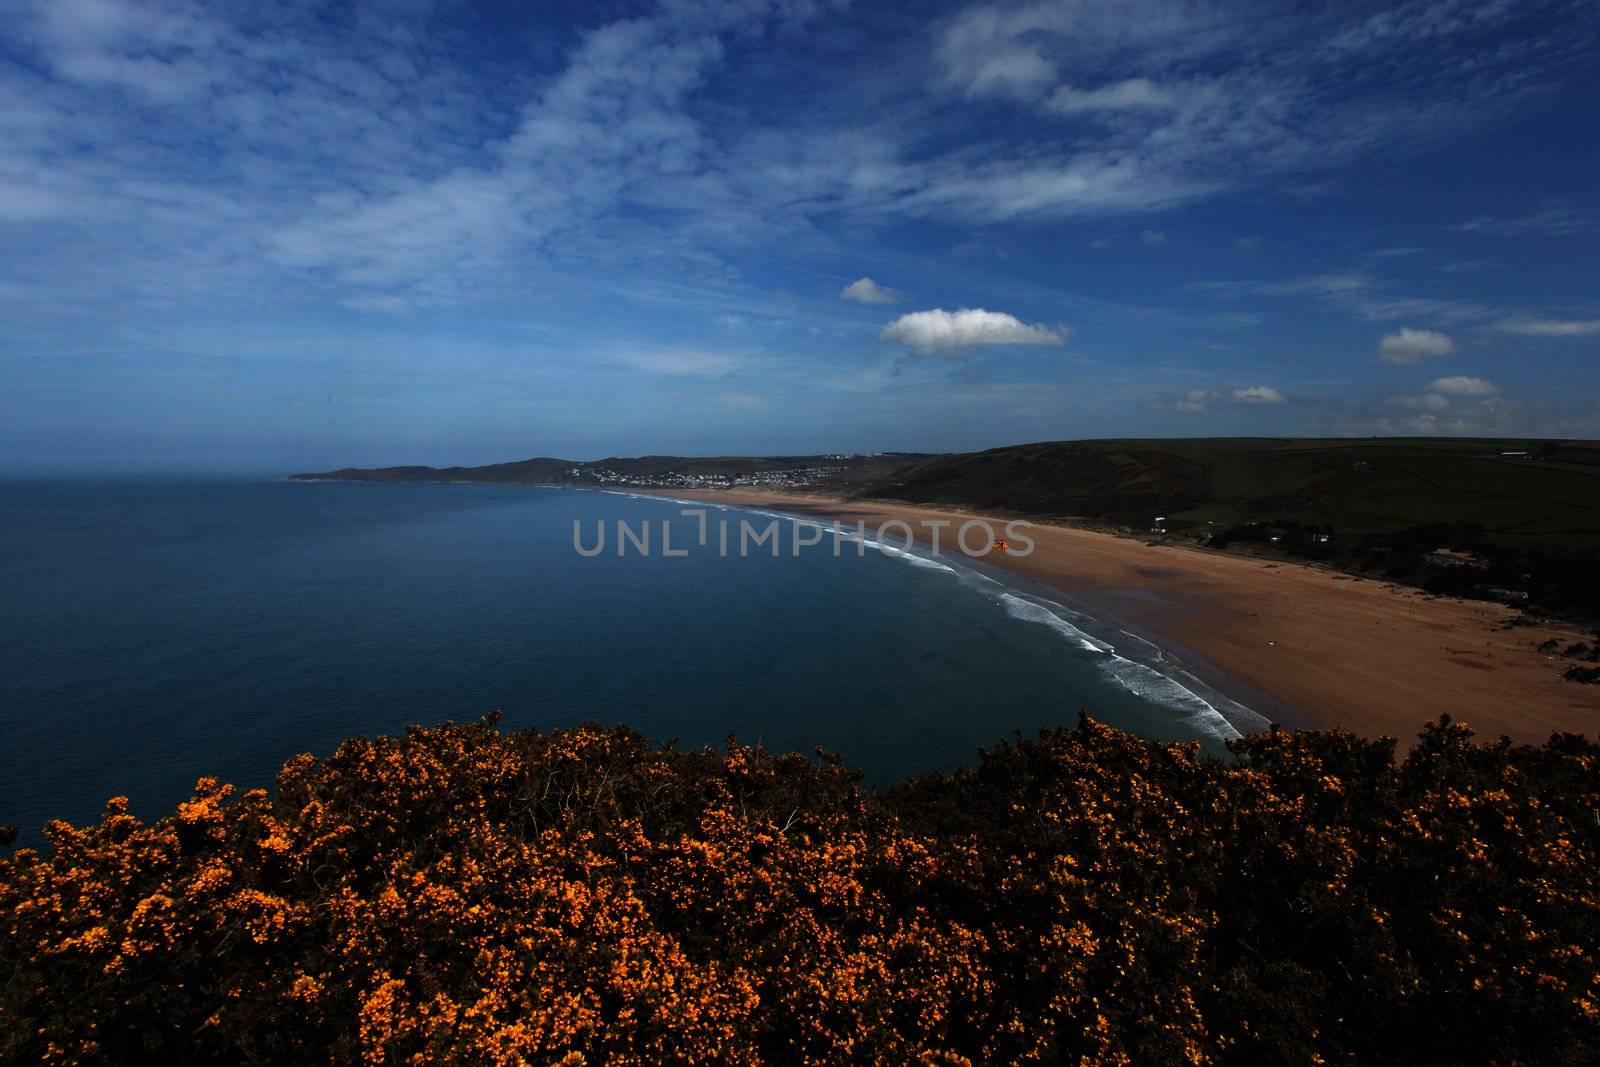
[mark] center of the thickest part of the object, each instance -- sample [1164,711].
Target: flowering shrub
[579,897]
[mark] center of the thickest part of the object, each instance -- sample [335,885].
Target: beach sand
[1303,645]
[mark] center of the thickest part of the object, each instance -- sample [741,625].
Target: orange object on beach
[1000,544]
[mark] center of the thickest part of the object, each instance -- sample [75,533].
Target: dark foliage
[461,895]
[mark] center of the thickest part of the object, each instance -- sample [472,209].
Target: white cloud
[987,51]
[1408,346]
[1392,308]
[1086,185]
[1018,72]
[1327,286]
[941,332]
[1531,327]
[1131,95]
[867,291]
[363,160]
[1186,102]
[693,364]
[1557,220]
[1492,416]
[1247,395]
[1153,238]
[1425,402]
[1359,294]
[1461,386]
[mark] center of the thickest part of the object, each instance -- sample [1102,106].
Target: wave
[849,533]
[1140,679]
[846,531]
[1028,611]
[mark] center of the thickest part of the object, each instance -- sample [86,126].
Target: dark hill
[1123,482]
[1515,489]
[1516,521]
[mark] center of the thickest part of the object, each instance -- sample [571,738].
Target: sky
[293,236]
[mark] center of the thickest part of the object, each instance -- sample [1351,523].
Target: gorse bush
[464,895]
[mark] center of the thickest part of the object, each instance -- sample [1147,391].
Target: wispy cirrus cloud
[365,155]
[1172,101]
[1559,220]
[502,204]
[1537,327]
[1359,294]
[1330,285]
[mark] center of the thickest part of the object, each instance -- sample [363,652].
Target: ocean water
[152,633]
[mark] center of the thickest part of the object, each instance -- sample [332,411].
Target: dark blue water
[153,633]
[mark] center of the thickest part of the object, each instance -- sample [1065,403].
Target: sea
[152,632]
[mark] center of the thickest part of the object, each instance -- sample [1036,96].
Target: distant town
[790,478]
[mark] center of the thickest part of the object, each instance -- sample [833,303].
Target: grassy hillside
[1515,521]
[460,895]
[1360,486]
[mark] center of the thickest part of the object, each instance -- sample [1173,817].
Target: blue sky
[291,236]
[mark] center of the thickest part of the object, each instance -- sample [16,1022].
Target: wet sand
[1303,645]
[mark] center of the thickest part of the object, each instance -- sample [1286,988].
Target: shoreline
[1243,708]
[1299,645]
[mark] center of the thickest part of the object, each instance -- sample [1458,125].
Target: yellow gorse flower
[460,895]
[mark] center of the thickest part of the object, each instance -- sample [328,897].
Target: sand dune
[1303,645]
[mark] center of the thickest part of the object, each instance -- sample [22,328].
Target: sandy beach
[1302,645]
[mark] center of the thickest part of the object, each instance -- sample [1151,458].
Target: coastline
[1296,644]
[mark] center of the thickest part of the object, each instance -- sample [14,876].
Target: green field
[1550,496]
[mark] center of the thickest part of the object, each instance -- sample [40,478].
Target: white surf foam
[1139,679]
[849,534]
[1028,611]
